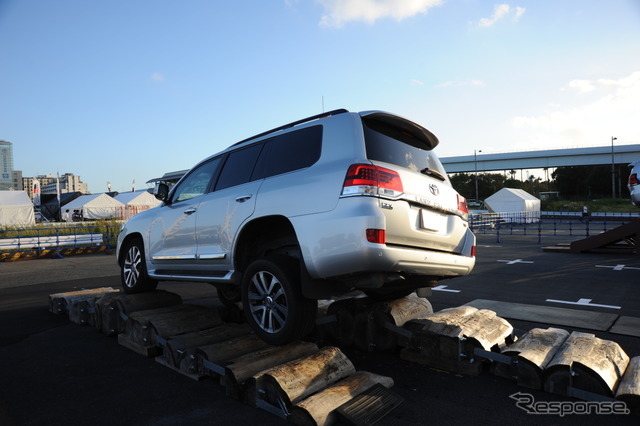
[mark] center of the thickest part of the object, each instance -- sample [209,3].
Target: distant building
[17,180]
[13,179]
[6,166]
[27,183]
[68,183]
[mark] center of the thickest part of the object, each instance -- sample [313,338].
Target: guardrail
[57,236]
[544,225]
[51,241]
[602,215]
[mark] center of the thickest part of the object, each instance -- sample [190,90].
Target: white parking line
[583,302]
[512,262]
[444,288]
[617,267]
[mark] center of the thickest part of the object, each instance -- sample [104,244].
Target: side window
[197,182]
[239,167]
[291,151]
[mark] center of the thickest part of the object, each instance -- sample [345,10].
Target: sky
[121,91]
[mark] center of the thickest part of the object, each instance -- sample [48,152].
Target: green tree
[583,182]
[488,184]
[464,183]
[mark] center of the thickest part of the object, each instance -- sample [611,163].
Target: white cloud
[502,11]
[464,83]
[416,82]
[157,77]
[613,112]
[339,12]
[519,12]
[582,86]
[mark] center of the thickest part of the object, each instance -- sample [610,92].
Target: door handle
[190,210]
[244,198]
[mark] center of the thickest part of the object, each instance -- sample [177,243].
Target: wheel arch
[275,235]
[125,243]
[263,236]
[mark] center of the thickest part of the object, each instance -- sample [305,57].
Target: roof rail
[295,123]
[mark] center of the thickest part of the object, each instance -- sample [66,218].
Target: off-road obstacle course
[313,382]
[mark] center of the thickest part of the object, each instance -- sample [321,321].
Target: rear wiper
[431,172]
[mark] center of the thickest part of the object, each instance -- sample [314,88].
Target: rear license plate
[433,221]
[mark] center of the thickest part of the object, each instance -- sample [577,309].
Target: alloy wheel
[267,302]
[131,266]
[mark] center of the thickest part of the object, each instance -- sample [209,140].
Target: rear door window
[291,151]
[239,167]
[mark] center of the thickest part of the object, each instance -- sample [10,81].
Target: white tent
[514,205]
[96,206]
[138,201]
[16,209]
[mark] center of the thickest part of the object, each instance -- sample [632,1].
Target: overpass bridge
[549,158]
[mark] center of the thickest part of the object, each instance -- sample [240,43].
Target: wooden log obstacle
[314,383]
[194,341]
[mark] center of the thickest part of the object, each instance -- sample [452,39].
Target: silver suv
[634,183]
[323,206]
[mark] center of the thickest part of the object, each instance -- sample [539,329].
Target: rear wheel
[133,270]
[273,303]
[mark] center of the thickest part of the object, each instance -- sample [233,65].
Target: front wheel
[133,269]
[273,303]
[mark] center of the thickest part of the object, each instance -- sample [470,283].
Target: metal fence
[542,225]
[53,236]
[546,225]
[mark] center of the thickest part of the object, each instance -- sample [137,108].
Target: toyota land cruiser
[323,206]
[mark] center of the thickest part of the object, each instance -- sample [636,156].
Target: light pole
[613,178]
[475,162]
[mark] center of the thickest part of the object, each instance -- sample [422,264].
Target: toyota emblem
[434,189]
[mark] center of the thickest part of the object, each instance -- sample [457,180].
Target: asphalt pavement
[54,372]
[42,271]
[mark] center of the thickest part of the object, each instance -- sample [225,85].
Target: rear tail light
[367,179]
[473,251]
[633,179]
[377,236]
[462,204]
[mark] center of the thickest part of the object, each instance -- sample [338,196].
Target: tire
[133,269]
[229,295]
[273,303]
[383,295]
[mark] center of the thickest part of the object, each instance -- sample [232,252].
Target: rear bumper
[334,244]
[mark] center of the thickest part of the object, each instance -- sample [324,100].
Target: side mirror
[161,191]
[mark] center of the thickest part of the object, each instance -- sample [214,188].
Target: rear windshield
[393,145]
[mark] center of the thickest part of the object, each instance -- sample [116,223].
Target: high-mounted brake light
[633,179]
[367,179]
[462,204]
